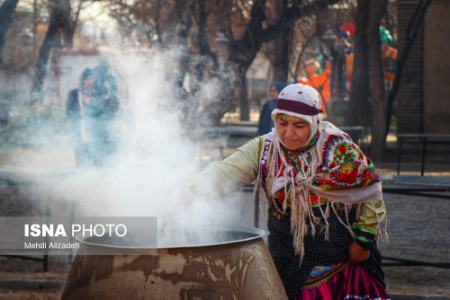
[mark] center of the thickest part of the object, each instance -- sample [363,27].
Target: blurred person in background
[265,123]
[319,79]
[91,109]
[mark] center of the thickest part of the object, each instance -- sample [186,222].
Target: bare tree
[359,111]
[377,9]
[244,23]
[6,17]
[280,47]
[60,32]
[256,33]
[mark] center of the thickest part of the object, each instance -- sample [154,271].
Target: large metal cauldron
[235,264]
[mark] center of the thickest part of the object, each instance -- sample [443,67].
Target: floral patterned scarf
[331,173]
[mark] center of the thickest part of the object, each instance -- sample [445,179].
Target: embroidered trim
[315,281]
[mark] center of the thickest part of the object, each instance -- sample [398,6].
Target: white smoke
[155,165]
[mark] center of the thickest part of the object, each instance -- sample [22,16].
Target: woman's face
[293,132]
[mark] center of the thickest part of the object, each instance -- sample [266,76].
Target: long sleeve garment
[241,168]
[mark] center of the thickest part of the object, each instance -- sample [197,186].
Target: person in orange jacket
[321,82]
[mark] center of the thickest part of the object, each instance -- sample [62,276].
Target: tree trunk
[6,16]
[281,44]
[181,20]
[377,9]
[338,83]
[243,99]
[281,65]
[71,22]
[60,21]
[69,33]
[239,61]
[359,95]
[51,40]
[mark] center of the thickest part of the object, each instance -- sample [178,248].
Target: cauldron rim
[257,234]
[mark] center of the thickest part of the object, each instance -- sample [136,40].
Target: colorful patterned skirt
[352,283]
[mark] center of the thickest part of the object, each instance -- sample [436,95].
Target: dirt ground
[418,230]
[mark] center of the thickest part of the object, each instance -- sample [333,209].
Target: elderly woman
[324,201]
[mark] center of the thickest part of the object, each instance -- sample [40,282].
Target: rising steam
[155,164]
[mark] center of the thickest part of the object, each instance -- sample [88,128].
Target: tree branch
[291,15]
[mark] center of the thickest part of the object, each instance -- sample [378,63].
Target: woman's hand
[357,253]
